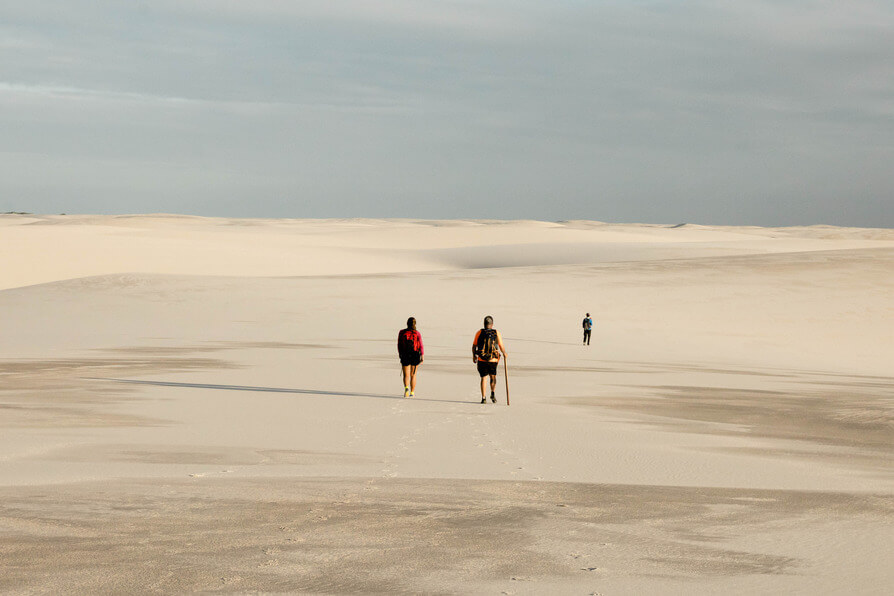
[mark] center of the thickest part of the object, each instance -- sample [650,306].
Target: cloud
[460,17]
[63,93]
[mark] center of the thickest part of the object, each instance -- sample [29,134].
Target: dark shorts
[409,360]
[487,368]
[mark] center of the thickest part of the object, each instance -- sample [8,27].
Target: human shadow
[269,389]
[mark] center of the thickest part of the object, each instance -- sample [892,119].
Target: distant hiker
[412,353]
[588,326]
[486,349]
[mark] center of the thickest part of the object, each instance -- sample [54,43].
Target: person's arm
[474,346]
[500,344]
[421,349]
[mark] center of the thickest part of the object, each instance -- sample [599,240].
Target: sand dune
[194,404]
[51,248]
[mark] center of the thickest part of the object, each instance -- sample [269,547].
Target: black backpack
[486,348]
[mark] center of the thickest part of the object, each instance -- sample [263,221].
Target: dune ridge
[43,249]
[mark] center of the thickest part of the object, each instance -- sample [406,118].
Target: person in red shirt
[486,349]
[412,353]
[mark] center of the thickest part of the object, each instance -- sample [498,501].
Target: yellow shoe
[406,391]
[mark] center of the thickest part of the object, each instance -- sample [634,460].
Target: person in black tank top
[487,347]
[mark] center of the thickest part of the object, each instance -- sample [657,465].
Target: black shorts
[409,360]
[487,368]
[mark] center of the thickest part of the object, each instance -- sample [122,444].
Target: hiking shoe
[484,401]
[412,393]
[406,391]
[493,397]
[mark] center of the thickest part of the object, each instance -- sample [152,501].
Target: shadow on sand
[269,389]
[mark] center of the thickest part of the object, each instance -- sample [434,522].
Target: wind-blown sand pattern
[192,404]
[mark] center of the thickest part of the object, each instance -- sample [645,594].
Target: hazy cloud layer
[752,112]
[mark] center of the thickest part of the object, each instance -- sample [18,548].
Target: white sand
[730,428]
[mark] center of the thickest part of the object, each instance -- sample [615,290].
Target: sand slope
[217,404]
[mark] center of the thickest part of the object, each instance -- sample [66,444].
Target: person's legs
[483,387]
[413,379]
[493,387]
[406,374]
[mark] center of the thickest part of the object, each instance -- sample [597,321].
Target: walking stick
[506,376]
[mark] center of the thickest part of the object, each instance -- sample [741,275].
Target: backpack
[486,348]
[408,342]
[588,323]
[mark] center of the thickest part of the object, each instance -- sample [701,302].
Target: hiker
[412,353]
[486,349]
[588,325]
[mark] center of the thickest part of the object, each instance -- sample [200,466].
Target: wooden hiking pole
[506,376]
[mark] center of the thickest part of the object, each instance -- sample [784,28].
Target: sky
[718,112]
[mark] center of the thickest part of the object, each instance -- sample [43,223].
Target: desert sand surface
[214,405]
